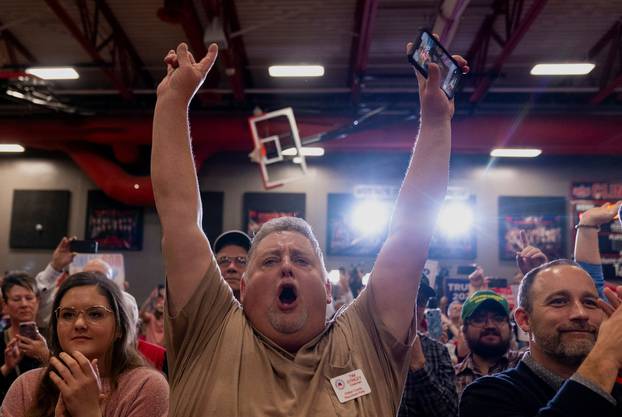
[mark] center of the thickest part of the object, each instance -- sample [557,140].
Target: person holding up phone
[47,279]
[57,270]
[273,353]
[23,346]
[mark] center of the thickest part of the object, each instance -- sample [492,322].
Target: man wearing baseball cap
[487,331]
[231,251]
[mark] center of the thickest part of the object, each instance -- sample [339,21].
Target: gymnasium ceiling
[117,47]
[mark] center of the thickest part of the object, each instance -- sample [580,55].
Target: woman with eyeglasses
[23,346]
[94,369]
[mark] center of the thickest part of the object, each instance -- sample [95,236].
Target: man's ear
[521,316]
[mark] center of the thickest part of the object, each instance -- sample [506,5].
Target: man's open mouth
[287,295]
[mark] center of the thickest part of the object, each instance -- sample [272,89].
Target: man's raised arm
[396,275]
[187,253]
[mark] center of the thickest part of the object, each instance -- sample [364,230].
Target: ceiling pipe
[126,154]
[112,180]
[586,135]
[118,184]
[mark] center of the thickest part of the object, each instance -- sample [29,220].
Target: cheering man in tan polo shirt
[277,356]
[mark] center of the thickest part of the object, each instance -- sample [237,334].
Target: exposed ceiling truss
[104,40]
[516,26]
[612,72]
[13,46]
[364,23]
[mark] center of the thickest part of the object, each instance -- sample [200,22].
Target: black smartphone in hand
[466,269]
[29,329]
[83,246]
[427,49]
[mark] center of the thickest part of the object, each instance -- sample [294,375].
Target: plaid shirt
[467,371]
[431,391]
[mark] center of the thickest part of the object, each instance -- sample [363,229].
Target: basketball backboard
[277,148]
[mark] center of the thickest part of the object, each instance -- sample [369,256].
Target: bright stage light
[371,216]
[333,276]
[455,219]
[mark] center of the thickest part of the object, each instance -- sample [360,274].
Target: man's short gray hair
[524,289]
[287,224]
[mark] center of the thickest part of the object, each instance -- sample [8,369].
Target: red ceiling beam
[587,135]
[235,56]
[123,65]
[581,135]
[366,11]
[14,45]
[613,39]
[448,20]
[516,27]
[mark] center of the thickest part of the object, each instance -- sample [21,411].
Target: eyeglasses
[481,320]
[93,315]
[226,260]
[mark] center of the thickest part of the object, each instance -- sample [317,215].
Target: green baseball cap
[484,296]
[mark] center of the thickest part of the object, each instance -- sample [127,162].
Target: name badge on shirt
[350,386]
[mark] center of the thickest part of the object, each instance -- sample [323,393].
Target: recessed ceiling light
[306,151]
[296,71]
[577,68]
[54,73]
[11,147]
[515,152]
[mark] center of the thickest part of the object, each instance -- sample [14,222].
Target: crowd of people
[253,327]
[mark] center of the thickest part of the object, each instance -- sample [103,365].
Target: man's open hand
[528,257]
[184,75]
[600,215]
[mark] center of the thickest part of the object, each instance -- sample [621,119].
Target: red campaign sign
[596,191]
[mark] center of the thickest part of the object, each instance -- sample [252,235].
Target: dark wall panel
[38,218]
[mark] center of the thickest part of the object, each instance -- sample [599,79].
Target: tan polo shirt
[219,365]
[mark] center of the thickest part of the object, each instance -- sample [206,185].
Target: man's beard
[570,353]
[487,350]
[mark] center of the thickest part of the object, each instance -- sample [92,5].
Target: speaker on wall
[39,218]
